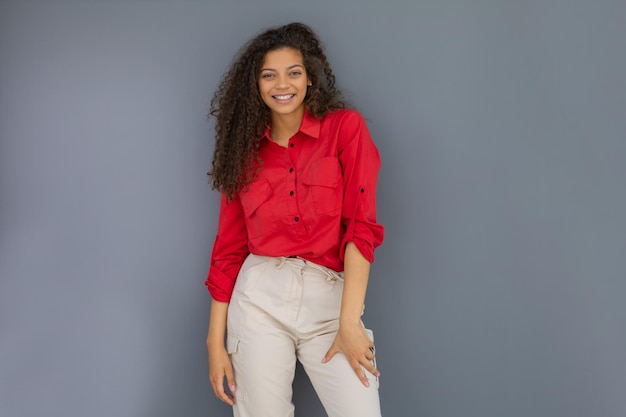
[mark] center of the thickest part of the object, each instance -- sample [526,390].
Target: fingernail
[366,383]
[232,388]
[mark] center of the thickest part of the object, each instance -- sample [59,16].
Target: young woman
[296,234]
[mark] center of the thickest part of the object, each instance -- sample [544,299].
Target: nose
[282,82]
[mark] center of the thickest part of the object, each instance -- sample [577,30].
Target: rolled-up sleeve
[229,250]
[360,163]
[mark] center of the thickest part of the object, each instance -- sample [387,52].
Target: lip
[283,98]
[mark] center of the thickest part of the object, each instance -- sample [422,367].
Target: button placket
[292,171]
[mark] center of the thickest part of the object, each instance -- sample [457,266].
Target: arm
[229,251]
[351,339]
[360,163]
[219,362]
[356,275]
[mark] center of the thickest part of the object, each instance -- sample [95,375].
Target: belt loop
[280,262]
[330,277]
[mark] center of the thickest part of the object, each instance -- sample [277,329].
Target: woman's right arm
[220,366]
[229,252]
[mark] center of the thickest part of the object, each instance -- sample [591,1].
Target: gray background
[499,290]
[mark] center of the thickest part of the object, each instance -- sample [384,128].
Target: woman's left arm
[360,163]
[351,339]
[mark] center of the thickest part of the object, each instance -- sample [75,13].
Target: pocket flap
[256,193]
[232,344]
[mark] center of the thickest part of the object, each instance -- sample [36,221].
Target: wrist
[349,321]
[214,344]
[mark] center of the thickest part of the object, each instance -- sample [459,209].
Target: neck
[285,126]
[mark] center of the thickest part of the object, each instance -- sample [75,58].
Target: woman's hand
[220,367]
[219,361]
[352,341]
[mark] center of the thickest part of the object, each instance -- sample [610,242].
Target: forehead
[282,58]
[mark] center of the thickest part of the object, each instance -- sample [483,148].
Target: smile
[284,97]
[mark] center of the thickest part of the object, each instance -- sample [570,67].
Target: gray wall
[499,290]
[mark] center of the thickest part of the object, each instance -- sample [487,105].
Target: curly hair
[242,116]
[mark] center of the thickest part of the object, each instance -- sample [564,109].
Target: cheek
[264,88]
[264,94]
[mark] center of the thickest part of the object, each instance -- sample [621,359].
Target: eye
[267,75]
[295,73]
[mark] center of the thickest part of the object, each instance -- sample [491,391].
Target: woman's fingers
[358,370]
[220,371]
[361,362]
[358,350]
[217,382]
[230,379]
[331,352]
[369,366]
[360,366]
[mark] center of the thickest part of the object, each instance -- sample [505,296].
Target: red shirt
[309,200]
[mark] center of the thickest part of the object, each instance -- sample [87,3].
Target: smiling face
[283,82]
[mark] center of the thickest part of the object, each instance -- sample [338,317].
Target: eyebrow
[290,67]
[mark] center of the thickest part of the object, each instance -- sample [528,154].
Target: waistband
[331,275]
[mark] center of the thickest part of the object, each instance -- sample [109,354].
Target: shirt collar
[310,126]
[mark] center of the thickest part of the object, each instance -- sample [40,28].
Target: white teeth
[285,97]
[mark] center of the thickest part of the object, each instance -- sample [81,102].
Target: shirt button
[296,219]
[290,192]
[290,169]
[291,145]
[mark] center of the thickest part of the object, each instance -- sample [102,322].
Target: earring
[310,84]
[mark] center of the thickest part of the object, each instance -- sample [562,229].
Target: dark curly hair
[242,116]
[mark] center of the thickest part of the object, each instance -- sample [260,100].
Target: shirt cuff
[220,285]
[365,238]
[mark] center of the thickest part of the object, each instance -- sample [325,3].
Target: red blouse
[309,200]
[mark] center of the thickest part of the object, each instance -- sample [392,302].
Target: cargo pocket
[232,344]
[325,183]
[232,347]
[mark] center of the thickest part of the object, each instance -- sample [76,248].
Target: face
[283,82]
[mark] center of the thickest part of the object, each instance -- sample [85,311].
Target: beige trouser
[283,309]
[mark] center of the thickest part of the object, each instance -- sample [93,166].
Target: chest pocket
[325,183]
[257,208]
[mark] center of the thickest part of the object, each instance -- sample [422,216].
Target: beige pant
[284,309]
